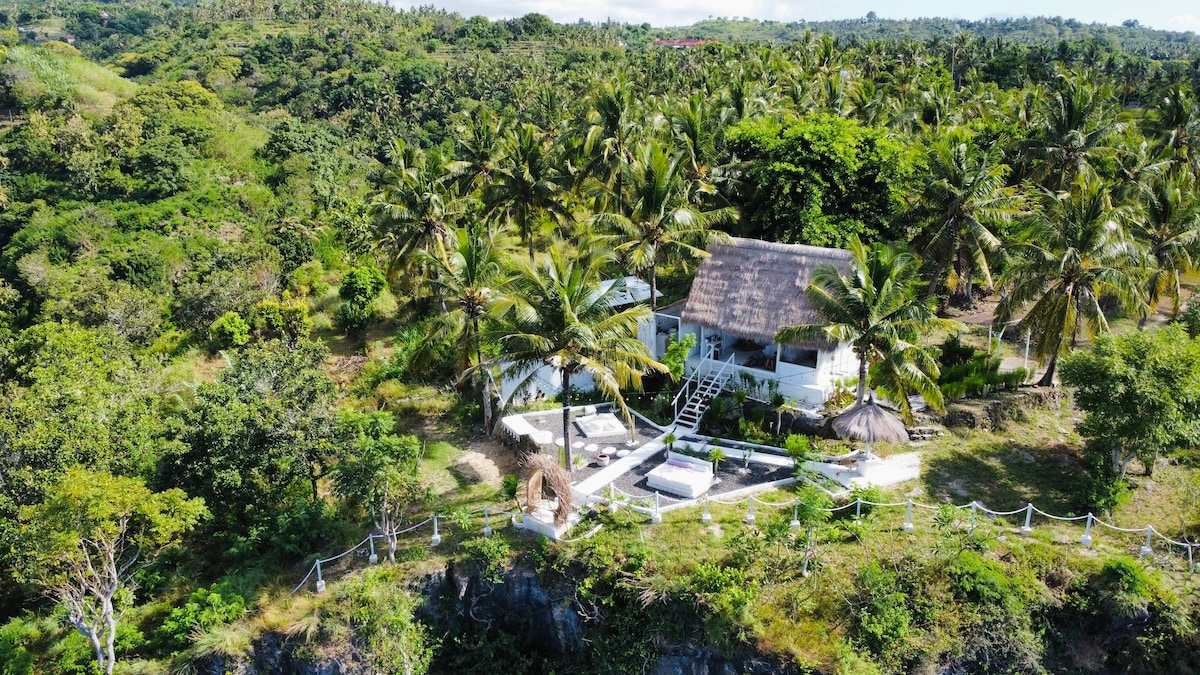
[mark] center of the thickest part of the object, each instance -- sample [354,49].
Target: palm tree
[466,280]
[877,308]
[478,149]
[1169,228]
[414,211]
[1176,125]
[965,200]
[1072,252]
[557,314]
[654,215]
[609,132]
[1073,124]
[525,187]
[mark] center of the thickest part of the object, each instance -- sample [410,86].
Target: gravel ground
[730,477]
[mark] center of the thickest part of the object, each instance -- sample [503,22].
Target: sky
[1180,15]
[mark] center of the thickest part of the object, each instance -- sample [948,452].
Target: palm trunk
[862,380]
[1048,379]
[653,287]
[566,415]
[931,289]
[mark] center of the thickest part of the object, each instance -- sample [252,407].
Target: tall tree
[965,201]
[526,187]
[557,314]
[1176,126]
[415,210]
[1169,227]
[379,470]
[90,536]
[653,217]
[467,281]
[1073,124]
[1071,252]
[260,436]
[876,306]
[1140,393]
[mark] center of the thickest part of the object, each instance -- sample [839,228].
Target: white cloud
[1184,22]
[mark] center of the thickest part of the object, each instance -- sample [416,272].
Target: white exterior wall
[836,364]
[809,387]
[547,381]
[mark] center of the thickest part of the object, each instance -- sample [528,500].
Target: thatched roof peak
[869,422]
[753,288]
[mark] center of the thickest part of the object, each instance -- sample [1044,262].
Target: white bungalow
[744,292]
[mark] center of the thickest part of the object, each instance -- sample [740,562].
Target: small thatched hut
[743,293]
[753,288]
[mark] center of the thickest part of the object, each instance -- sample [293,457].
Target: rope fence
[617,498]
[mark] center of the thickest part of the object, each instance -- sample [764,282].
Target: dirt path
[487,461]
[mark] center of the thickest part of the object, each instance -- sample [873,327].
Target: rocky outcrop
[685,660]
[277,654]
[518,603]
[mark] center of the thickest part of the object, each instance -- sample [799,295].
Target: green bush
[205,608]
[360,286]
[883,621]
[489,555]
[966,372]
[379,611]
[16,637]
[230,331]
[798,446]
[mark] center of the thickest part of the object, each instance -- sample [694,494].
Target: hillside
[268,269]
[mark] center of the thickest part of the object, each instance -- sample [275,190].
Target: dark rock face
[542,613]
[518,604]
[704,661]
[276,654]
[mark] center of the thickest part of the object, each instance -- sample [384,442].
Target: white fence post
[656,517]
[706,517]
[437,538]
[908,523]
[320,581]
[1026,529]
[1086,539]
[487,523]
[374,557]
[750,514]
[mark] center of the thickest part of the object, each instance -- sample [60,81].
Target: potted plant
[715,455]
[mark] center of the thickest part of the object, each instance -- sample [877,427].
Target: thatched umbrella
[870,423]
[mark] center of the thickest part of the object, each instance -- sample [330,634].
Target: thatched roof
[871,423]
[544,473]
[753,288]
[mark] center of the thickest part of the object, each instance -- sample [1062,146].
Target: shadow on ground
[1006,476]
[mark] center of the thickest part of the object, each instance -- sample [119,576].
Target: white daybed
[681,475]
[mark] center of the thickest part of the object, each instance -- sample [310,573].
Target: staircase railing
[693,379]
[708,373]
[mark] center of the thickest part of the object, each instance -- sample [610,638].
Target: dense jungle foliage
[258,263]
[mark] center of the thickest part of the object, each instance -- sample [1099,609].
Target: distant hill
[1132,38]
